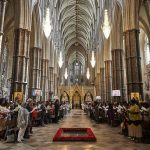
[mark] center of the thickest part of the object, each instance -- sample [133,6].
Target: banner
[98,97]
[135,95]
[18,96]
[116,93]
[36,92]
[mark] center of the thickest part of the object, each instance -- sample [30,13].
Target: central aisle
[107,137]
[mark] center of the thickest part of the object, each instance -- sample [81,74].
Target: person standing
[29,107]
[134,126]
[56,110]
[43,113]
[22,121]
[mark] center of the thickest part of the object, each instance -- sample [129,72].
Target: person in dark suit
[56,110]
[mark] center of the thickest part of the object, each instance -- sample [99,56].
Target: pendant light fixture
[93,61]
[88,70]
[66,73]
[88,73]
[106,27]
[47,23]
[60,61]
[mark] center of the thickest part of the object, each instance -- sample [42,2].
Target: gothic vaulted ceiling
[76,20]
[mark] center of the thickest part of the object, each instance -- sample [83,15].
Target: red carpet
[74,134]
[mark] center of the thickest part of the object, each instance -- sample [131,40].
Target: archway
[64,97]
[76,100]
[88,97]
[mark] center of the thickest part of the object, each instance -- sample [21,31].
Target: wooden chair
[37,120]
[11,128]
[2,127]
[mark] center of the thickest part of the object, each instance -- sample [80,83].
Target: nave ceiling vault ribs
[76,18]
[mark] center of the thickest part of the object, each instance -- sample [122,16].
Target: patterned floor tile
[107,137]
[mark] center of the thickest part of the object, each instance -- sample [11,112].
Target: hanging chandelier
[88,73]
[93,61]
[66,73]
[60,61]
[106,24]
[47,23]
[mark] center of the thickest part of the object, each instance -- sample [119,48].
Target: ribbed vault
[76,20]
[76,56]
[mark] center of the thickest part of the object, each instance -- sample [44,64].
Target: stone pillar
[108,79]
[35,70]
[97,84]
[55,84]
[20,60]
[132,48]
[51,81]
[2,16]
[117,73]
[102,84]
[44,78]
[93,75]
[133,63]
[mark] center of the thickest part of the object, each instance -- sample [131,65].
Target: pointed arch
[36,27]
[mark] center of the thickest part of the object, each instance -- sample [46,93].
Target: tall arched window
[147,51]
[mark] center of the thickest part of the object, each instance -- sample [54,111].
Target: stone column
[35,70]
[132,48]
[2,16]
[51,81]
[117,73]
[93,75]
[133,62]
[55,84]
[102,84]
[108,79]
[20,60]
[97,84]
[44,78]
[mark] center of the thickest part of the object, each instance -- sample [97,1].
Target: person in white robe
[22,121]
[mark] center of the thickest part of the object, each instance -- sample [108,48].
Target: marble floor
[108,138]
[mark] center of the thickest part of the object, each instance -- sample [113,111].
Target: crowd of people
[132,117]
[20,118]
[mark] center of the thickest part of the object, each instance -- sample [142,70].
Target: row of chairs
[48,117]
[8,128]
